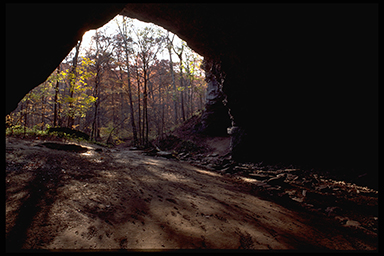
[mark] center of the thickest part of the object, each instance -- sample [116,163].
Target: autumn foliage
[118,89]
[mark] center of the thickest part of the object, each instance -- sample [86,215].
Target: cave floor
[112,199]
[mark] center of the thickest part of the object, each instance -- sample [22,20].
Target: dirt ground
[95,198]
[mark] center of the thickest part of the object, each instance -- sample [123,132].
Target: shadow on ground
[124,200]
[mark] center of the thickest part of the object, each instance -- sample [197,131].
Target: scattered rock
[299,200]
[165,154]
[332,210]
[211,166]
[259,176]
[290,192]
[291,177]
[225,170]
[308,205]
[183,155]
[324,188]
[352,223]
[263,184]
[306,188]
[278,180]
[341,219]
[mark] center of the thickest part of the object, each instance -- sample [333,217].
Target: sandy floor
[121,199]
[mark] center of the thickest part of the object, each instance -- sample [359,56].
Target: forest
[119,88]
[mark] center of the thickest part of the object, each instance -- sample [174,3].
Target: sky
[113,29]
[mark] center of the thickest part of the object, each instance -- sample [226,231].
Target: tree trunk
[59,117]
[96,92]
[113,105]
[98,125]
[56,98]
[96,95]
[173,79]
[24,107]
[123,32]
[135,141]
[42,111]
[182,100]
[180,55]
[72,84]
[139,106]
[145,107]
[182,87]
[26,116]
[190,89]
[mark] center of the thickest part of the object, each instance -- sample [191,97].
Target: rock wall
[215,119]
[301,80]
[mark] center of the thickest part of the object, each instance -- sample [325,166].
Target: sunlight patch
[208,172]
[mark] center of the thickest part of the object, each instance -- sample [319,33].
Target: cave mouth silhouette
[309,89]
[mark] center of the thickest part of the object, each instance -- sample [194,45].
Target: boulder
[69,131]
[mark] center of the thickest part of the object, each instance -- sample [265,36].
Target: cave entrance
[125,81]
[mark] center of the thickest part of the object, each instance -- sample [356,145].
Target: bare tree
[127,40]
[72,79]
[179,54]
[169,48]
[149,44]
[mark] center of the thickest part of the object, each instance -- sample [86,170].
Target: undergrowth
[20,131]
